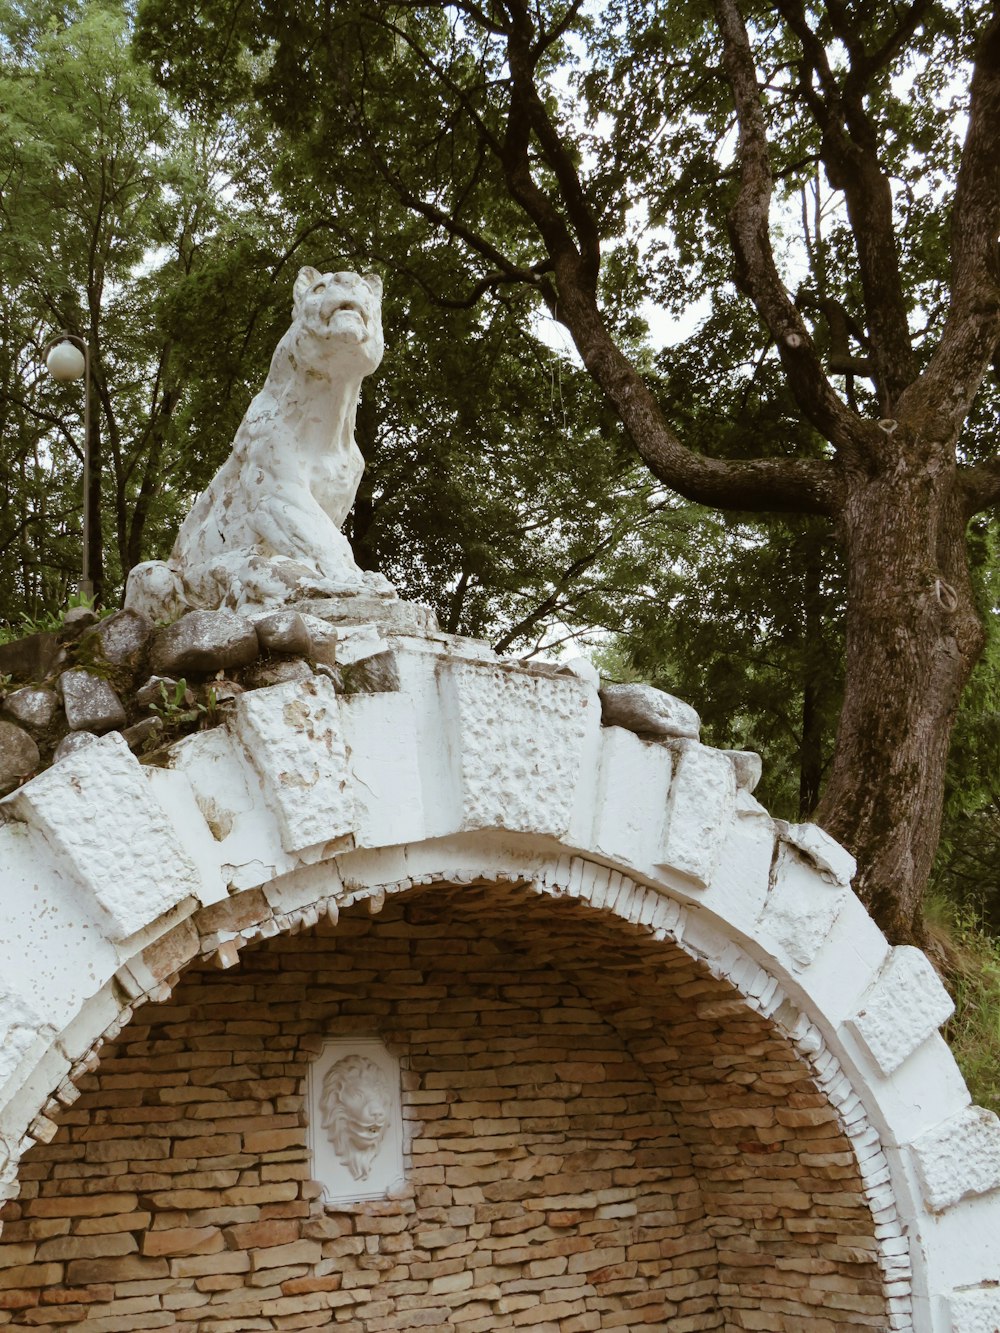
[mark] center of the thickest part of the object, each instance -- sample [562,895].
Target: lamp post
[67,357]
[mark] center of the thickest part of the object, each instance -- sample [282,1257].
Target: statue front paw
[155,589]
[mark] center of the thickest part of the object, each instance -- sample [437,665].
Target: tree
[967,871]
[168,235]
[748,619]
[543,140]
[110,199]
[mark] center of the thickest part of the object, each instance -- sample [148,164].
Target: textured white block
[904,1005]
[175,794]
[294,736]
[800,908]
[631,806]
[521,741]
[959,1158]
[21,1027]
[740,882]
[381,737]
[700,810]
[849,961]
[976,1311]
[96,809]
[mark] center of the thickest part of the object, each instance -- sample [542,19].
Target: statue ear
[307,276]
[374,282]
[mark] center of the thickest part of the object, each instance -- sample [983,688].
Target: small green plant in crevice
[970,958]
[178,707]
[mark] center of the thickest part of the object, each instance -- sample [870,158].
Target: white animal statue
[267,529]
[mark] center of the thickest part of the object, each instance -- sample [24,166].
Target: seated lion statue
[267,529]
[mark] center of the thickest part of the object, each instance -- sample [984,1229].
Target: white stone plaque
[355,1121]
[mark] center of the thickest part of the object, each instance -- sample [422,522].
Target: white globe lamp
[66,362]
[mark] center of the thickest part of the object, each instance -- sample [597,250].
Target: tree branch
[850,153]
[549,603]
[749,230]
[50,418]
[765,485]
[439,217]
[981,486]
[482,129]
[941,399]
[527,114]
[547,39]
[809,486]
[16,533]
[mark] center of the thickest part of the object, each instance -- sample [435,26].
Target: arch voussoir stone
[304,803]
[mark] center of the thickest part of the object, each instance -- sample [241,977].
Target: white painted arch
[114,876]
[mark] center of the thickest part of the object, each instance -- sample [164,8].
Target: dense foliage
[765,501]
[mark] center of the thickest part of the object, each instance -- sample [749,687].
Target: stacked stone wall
[599,1135]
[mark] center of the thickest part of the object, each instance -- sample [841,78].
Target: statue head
[356,1104]
[341,310]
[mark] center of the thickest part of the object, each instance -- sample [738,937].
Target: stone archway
[473,771]
[600,1134]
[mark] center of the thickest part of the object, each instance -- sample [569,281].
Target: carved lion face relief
[356,1105]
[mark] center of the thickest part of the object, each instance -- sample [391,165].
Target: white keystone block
[700,809]
[228,792]
[176,795]
[975,1311]
[739,885]
[959,1158]
[96,809]
[524,743]
[294,737]
[633,782]
[381,735]
[800,908]
[905,1004]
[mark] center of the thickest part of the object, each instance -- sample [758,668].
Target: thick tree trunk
[913,637]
